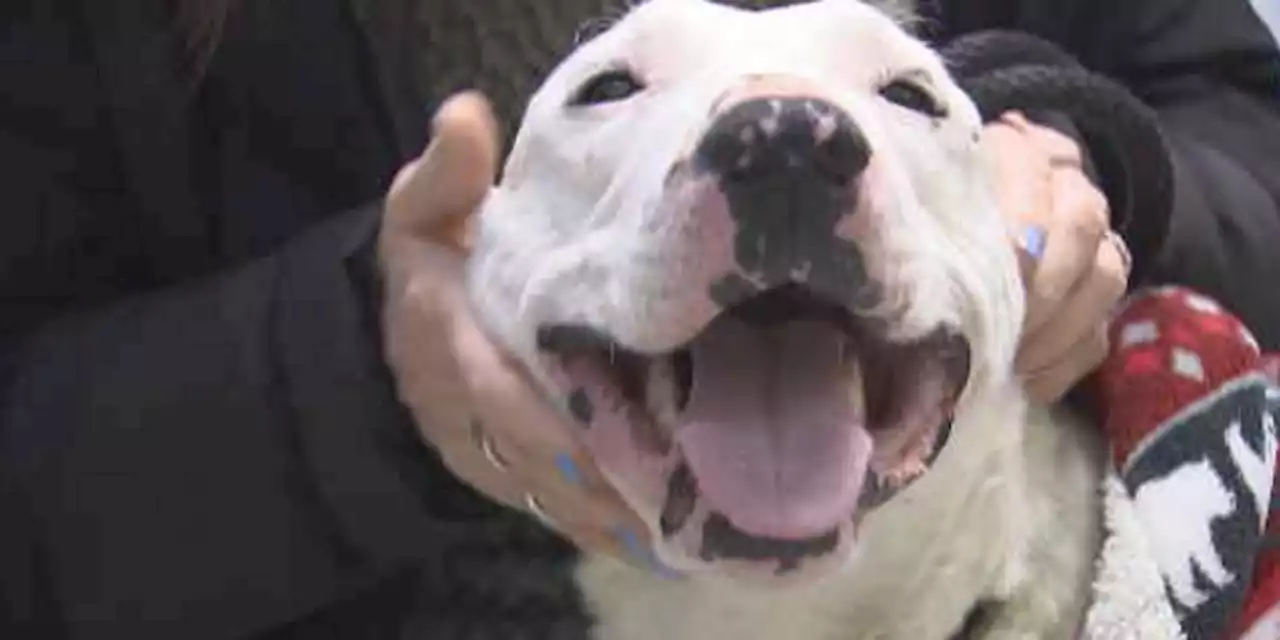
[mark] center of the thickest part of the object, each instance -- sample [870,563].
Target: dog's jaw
[597,225]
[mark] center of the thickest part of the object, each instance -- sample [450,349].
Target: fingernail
[569,469]
[631,542]
[1033,241]
[665,572]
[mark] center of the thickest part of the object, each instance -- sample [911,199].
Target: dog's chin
[760,442]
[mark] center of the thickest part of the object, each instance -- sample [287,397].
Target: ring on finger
[485,444]
[1064,162]
[534,506]
[1121,248]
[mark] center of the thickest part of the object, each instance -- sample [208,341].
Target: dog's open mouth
[773,429]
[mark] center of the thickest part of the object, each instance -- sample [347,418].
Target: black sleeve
[211,461]
[69,235]
[1211,70]
[27,609]
[126,169]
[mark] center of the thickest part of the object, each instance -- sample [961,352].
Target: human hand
[470,401]
[1074,267]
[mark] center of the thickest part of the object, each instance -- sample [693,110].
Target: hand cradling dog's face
[751,253]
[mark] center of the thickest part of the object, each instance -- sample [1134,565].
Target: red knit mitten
[1189,417]
[1170,347]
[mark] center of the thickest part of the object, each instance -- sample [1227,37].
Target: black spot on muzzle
[720,539]
[789,169]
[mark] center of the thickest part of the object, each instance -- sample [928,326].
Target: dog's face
[756,257]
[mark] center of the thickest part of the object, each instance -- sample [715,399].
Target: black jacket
[221,454]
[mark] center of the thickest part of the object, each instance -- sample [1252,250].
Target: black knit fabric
[1007,70]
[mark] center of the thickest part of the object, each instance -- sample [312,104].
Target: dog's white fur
[577,231]
[1009,512]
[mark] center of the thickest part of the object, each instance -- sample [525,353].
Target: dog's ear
[436,196]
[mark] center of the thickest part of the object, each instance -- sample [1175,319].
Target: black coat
[221,454]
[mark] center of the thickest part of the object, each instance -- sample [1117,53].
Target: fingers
[1050,384]
[1074,268]
[1022,178]
[1076,228]
[567,491]
[452,177]
[473,404]
[512,460]
[1061,215]
[559,488]
[535,447]
[1059,148]
[1075,342]
[514,411]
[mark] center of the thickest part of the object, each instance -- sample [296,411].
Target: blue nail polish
[569,469]
[631,542]
[665,572]
[1033,241]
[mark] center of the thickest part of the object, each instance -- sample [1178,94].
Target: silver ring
[1064,162]
[535,507]
[1118,242]
[485,443]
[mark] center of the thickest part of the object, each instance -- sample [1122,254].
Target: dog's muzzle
[767,422]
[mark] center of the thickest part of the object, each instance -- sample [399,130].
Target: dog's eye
[910,95]
[610,86]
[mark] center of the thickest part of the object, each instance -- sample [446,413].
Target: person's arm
[27,609]
[126,168]
[1211,70]
[209,461]
[69,236]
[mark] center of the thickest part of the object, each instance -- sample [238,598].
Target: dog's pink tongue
[774,429]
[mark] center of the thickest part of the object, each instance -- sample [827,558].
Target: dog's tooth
[682,378]
[857,388]
[662,391]
[682,496]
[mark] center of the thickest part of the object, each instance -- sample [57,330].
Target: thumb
[434,196]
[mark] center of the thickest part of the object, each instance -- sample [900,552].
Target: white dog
[755,254]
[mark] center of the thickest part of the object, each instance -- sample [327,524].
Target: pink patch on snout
[692,250]
[860,225]
[711,230]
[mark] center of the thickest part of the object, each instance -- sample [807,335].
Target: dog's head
[756,257]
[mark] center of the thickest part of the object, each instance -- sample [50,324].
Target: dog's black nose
[788,170]
[798,140]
